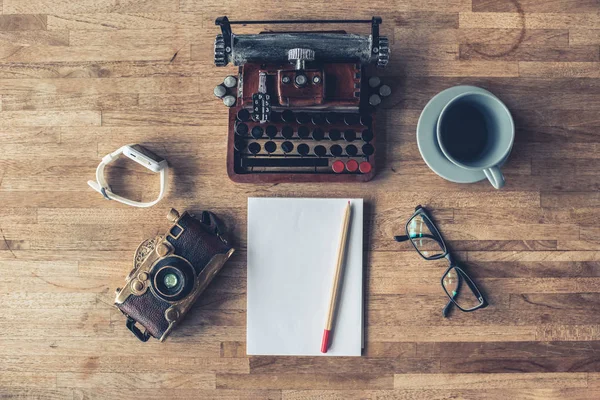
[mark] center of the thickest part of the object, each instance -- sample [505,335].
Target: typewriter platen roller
[301,108]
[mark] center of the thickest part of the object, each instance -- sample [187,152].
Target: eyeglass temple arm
[404,238]
[448,307]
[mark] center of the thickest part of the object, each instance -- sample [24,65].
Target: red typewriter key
[352,165]
[365,167]
[338,167]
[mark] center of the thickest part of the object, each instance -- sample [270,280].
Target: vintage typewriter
[301,107]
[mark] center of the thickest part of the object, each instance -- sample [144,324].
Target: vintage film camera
[301,107]
[170,272]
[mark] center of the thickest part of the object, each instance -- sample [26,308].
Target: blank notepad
[292,253]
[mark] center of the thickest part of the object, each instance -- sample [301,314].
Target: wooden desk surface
[80,78]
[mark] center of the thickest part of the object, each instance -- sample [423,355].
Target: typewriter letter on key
[301,107]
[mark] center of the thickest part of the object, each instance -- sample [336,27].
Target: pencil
[336,280]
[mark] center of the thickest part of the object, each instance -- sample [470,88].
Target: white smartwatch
[142,156]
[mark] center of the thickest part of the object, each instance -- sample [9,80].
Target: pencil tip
[348,201]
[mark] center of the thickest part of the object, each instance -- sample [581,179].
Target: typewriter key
[336,150]
[230,81]
[275,117]
[303,118]
[335,134]
[318,119]
[243,115]
[320,151]
[239,144]
[257,132]
[338,167]
[254,148]
[229,101]
[366,120]
[367,135]
[374,81]
[385,90]
[287,132]
[287,116]
[368,149]
[287,147]
[351,150]
[318,134]
[349,135]
[270,147]
[220,91]
[303,149]
[271,131]
[365,167]
[333,118]
[241,129]
[374,100]
[351,119]
[352,165]
[303,132]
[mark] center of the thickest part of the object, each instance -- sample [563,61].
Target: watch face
[144,151]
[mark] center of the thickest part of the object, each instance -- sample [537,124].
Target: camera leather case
[170,272]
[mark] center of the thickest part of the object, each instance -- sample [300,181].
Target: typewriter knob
[299,57]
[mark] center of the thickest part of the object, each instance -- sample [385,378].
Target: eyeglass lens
[456,286]
[428,243]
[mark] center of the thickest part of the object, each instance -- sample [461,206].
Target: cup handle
[495,176]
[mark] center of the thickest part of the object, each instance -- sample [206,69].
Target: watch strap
[102,186]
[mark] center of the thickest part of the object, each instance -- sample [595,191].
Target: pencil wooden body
[337,277]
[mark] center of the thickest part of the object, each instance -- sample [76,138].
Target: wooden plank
[559,70]
[156,380]
[532,21]
[304,381]
[529,53]
[584,37]
[20,22]
[152,20]
[531,6]
[498,381]
[34,38]
[64,6]
[49,118]
[496,36]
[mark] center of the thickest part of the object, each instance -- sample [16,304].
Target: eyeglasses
[427,240]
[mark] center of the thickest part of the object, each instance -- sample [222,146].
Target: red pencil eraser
[325,343]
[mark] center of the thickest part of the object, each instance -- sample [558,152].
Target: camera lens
[173,278]
[170,281]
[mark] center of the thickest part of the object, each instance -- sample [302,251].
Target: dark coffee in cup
[476,131]
[464,133]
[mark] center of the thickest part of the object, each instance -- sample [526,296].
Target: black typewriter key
[270,147]
[241,129]
[303,149]
[367,135]
[303,118]
[351,119]
[335,134]
[271,131]
[303,132]
[320,151]
[349,135]
[351,150]
[366,120]
[333,118]
[254,148]
[275,117]
[288,116]
[287,147]
[318,119]
[257,132]
[239,144]
[368,149]
[243,115]
[336,150]
[318,134]
[287,132]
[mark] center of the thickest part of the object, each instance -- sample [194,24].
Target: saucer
[427,138]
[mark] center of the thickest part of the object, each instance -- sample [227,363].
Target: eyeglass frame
[461,274]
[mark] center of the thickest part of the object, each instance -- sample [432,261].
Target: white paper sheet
[292,251]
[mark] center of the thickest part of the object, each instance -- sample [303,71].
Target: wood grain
[79,79]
